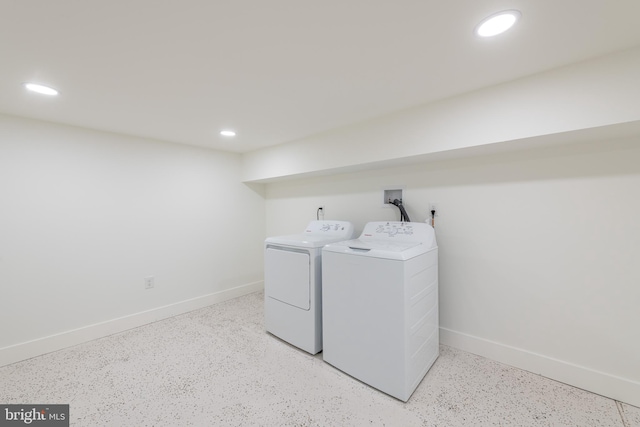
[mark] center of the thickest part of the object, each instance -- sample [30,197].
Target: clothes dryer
[380,305]
[293,282]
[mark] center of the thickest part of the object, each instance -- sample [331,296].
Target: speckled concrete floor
[217,367]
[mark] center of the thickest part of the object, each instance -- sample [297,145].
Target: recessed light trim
[41,89]
[227,132]
[497,23]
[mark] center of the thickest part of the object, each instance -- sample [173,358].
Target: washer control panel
[396,230]
[392,229]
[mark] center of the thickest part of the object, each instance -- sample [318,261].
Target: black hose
[398,204]
[403,213]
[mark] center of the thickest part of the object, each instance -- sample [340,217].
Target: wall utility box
[390,195]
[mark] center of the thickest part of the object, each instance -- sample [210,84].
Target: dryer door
[287,276]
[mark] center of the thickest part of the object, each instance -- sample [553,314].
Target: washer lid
[381,245]
[379,249]
[389,240]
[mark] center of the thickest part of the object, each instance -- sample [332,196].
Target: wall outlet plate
[434,206]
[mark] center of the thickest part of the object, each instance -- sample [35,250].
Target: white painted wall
[596,93]
[538,252]
[86,215]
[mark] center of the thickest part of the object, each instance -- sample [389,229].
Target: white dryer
[293,282]
[380,305]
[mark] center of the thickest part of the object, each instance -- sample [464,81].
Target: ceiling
[278,70]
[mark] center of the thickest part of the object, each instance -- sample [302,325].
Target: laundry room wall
[85,216]
[538,251]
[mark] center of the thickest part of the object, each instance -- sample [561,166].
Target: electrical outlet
[149,282]
[434,206]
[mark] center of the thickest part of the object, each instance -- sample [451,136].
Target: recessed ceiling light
[497,23]
[44,90]
[227,133]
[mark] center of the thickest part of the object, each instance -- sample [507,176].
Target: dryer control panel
[330,228]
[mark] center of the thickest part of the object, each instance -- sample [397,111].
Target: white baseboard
[40,346]
[611,386]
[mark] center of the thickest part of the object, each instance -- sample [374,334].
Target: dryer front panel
[287,276]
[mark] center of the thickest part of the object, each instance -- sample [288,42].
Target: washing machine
[380,305]
[293,282]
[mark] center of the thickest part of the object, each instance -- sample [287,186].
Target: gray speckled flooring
[630,415]
[217,367]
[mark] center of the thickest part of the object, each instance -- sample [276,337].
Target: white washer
[380,305]
[293,282]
